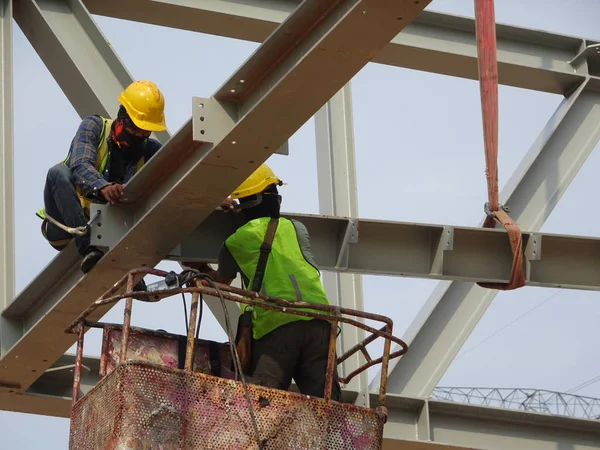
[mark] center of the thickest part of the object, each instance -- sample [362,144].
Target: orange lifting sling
[485,32]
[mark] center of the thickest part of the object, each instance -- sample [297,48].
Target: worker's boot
[91,257]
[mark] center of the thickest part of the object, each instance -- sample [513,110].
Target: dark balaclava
[268,205]
[125,141]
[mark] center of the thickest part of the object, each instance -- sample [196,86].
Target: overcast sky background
[419,158]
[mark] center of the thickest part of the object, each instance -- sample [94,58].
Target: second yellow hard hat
[257,182]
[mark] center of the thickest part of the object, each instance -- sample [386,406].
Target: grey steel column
[454,309]
[7,216]
[336,169]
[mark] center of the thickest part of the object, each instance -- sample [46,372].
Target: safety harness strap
[485,31]
[265,250]
[60,242]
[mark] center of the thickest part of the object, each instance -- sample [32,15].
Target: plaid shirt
[82,157]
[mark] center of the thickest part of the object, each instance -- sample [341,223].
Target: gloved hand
[230,205]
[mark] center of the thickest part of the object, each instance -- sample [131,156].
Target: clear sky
[419,158]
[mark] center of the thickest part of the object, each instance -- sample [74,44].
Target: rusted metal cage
[164,391]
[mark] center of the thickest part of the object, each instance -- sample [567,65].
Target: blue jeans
[62,203]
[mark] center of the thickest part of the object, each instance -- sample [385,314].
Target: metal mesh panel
[144,406]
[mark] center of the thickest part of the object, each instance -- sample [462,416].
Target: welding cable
[185,316]
[236,357]
[189,275]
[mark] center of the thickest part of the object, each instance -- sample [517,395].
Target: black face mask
[126,141]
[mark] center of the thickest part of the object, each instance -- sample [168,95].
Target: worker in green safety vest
[103,156]
[284,346]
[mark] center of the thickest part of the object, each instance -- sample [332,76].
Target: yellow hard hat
[145,104]
[257,182]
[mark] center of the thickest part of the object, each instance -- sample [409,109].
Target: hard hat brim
[148,126]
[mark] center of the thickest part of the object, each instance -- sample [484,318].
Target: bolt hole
[113,260]
[267,148]
[99,224]
[399,18]
[202,119]
[201,105]
[251,162]
[202,131]
[416,2]
[11,392]
[44,360]
[33,370]
[99,236]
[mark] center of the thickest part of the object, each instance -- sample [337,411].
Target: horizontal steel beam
[357,246]
[433,42]
[433,424]
[229,136]
[423,251]
[412,424]
[52,392]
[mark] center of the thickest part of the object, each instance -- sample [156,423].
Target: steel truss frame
[434,42]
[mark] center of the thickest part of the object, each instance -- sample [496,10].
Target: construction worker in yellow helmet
[273,256]
[103,156]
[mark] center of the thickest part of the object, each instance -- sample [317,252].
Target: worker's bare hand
[112,193]
[230,205]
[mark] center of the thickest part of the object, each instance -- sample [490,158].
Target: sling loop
[485,32]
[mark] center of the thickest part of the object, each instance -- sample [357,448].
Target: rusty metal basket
[145,402]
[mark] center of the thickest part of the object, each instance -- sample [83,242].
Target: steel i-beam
[433,42]
[453,310]
[7,230]
[336,170]
[267,100]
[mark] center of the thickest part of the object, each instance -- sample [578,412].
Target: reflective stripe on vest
[102,156]
[288,275]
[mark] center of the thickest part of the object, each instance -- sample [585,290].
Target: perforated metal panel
[144,406]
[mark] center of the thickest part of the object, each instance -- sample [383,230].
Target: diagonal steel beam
[76,53]
[274,92]
[454,309]
[90,73]
[7,216]
[433,42]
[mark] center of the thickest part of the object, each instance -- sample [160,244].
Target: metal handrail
[331,313]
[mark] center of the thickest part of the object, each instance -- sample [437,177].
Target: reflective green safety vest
[288,274]
[102,156]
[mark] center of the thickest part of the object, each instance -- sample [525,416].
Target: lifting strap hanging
[485,32]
